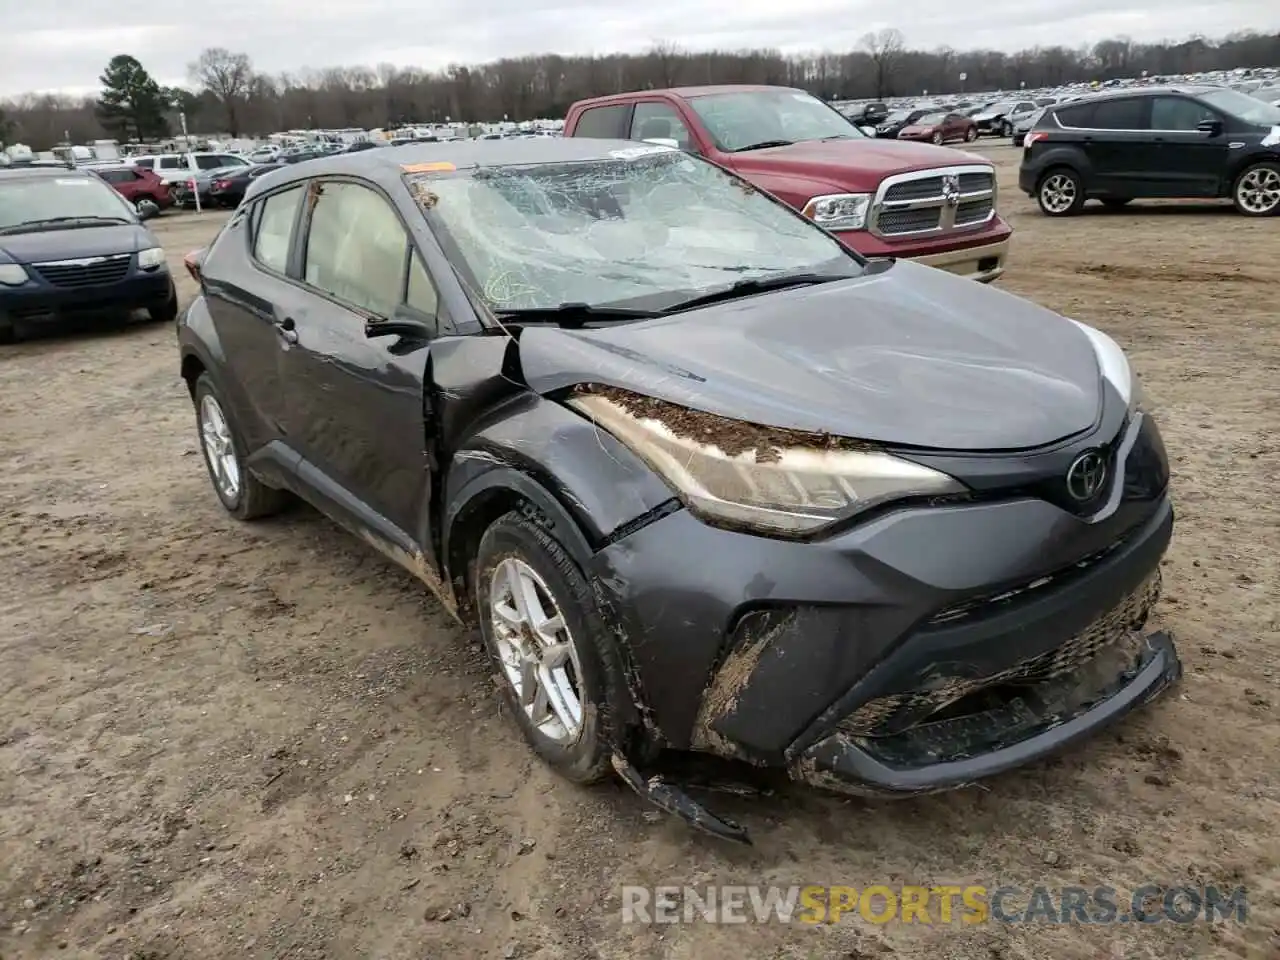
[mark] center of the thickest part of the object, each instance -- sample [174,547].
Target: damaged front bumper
[919,652]
[957,751]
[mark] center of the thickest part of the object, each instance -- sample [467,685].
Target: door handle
[287,329]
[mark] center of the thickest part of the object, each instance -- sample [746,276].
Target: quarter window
[274,232]
[357,248]
[1178,113]
[420,294]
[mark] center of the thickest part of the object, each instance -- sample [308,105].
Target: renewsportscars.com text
[942,905]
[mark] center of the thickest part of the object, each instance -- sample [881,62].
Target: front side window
[659,121]
[1178,113]
[747,119]
[274,233]
[648,228]
[46,202]
[357,248]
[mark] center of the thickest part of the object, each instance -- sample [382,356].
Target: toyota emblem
[1086,476]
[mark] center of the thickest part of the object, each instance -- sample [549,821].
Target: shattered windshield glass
[645,227]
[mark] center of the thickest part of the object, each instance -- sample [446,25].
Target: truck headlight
[150,258]
[789,490]
[839,211]
[12,274]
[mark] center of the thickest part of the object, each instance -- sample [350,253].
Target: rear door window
[1128,114]
[273,232]
[604,123]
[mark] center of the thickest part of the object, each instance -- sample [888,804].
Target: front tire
[242,494]
[560,672]
[167,313]
[937,139]
[1256,192]
[971,135]
[1060,193]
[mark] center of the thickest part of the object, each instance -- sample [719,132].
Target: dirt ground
[220,740]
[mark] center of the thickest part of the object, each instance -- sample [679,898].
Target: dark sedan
[898,120]
[690,505]
[227,188]
[71,247]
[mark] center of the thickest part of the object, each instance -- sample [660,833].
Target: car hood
[865,161]
[907,355]
[72,244]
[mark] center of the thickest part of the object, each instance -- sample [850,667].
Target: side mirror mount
[664,142]
[404,322]
[1211,127]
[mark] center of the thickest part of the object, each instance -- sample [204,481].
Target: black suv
[1169,143]
[70,246]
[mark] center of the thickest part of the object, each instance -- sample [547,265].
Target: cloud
[293,35]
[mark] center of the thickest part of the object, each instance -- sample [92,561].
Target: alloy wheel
[536,650]
[937,138]
[1259,190]
[1058,193]
[219,449]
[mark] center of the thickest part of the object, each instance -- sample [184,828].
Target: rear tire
[1060,192]
[971,135]
[248,498]
[937,139]
[1256,192]
[516,546]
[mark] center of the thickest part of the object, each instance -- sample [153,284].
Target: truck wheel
[1060,193]
[559,671]
[1257,190]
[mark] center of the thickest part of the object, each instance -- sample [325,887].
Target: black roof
[1119,93]
[387,166]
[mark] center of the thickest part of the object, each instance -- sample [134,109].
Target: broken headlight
[737,475]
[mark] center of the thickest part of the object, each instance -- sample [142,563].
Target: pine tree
[132,104]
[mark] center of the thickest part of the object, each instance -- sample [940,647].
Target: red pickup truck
[883,198]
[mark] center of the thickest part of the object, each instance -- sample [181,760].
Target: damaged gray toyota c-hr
[706,479]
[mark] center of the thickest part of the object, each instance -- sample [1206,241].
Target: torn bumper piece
[950,753]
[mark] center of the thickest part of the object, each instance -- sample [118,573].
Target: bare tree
[226,90]
[228,78]
[885,47]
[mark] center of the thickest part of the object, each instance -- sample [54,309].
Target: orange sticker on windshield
[438,166]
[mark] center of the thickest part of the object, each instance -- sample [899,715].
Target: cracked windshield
[641,230]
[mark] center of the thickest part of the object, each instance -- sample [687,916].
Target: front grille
[93,272]
[934,202]
[930,185]
[1117,629]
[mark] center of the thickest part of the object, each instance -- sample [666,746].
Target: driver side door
[355,409]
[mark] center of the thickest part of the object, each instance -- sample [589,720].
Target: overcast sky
[292,35]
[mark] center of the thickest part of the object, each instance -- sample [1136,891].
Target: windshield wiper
[50,221]
[753,285]
[574,314]
[762,144]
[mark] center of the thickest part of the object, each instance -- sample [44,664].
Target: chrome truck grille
[934,202]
